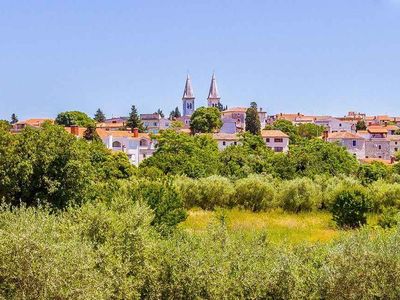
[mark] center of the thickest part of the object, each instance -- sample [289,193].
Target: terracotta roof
[273,133]
[377,129]
[225,136]
[289,117]
[105,133]
[111,125]
[394,137]
[34,122]
[235,109]
[392,127]
[344,135]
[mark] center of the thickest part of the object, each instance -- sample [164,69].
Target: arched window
[116,144]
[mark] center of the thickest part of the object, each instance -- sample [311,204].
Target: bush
[188,189]
[383,195]
[215,191]
[350,207]
[389,218]
[300,194]
[255,193]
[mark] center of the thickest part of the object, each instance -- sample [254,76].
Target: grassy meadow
[279,226]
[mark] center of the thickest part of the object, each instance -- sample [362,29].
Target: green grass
[280,227]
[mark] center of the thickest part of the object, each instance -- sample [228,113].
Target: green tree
[361,125]
[288,128]
[99,116]
[350,207]
[205,120]
[134,120]
[91,134]
[368,173]
[309,130]
[14,119]
[5,124]
[180,153]
[174,114]
[313,157]
[250,156]
[70,118]
[252,120]
[160,112]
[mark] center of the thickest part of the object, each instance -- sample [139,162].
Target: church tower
[188,98]
[213,95]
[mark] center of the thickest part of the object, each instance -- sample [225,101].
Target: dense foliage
[70,118]
[134,120]
[205,120]
[252,120]
[110,250]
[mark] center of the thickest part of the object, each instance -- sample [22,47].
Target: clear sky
[311,56]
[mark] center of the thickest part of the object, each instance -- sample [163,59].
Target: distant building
[354,143]
[188,98]
[35,123]
[213,98]
[276,140]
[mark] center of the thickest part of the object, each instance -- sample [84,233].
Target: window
[235,143]
[144,155]
[223,143]
[143,143]
[379,147]
[396,149]
[379,156]
[278,149]
[155,124]
[340,124]
[278,140]
[395,143]
[267,140]
[116,144]
[354,143]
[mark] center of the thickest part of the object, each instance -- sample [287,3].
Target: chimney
[135,132]
[75,130]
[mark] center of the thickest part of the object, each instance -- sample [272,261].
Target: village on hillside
[368,138]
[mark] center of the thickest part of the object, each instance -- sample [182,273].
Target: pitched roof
[377,129]
[154,116]
[34,122]
[273,133]
[213,92]
[372,159]
[235,109]
[188,91]
[345,135]
[225,136]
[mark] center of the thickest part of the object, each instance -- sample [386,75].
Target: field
[280,227]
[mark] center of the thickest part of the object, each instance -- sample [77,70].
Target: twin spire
[188,96]
[212,93]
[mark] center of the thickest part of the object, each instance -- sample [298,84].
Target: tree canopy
[69,118]
[134,120]
[180,153]
[99,116]
[252,119]
[205,120]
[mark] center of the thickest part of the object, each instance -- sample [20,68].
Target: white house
[354,143]
[277,140]
[335,125]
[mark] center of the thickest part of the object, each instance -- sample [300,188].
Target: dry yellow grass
[280,227]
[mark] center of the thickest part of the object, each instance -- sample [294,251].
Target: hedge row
[259,192]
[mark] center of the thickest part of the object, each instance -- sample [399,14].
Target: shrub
[300,194]
[215,191]
[331,186]
[349,207]
[255,193]
[188,189]
[389,218]
[383,195]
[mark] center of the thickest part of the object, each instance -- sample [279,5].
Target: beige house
[354,143]
[277,140]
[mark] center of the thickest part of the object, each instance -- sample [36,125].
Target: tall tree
[361,125]
[134,120]
[14,119]
[174,114]
[91,134]
[205,120]
[160,112]
[99,116]
[252,121]
[69,118]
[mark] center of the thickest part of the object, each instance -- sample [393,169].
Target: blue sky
[311,56]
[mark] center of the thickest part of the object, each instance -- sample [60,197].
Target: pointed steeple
[188,92]
[213,92]
[188,98]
